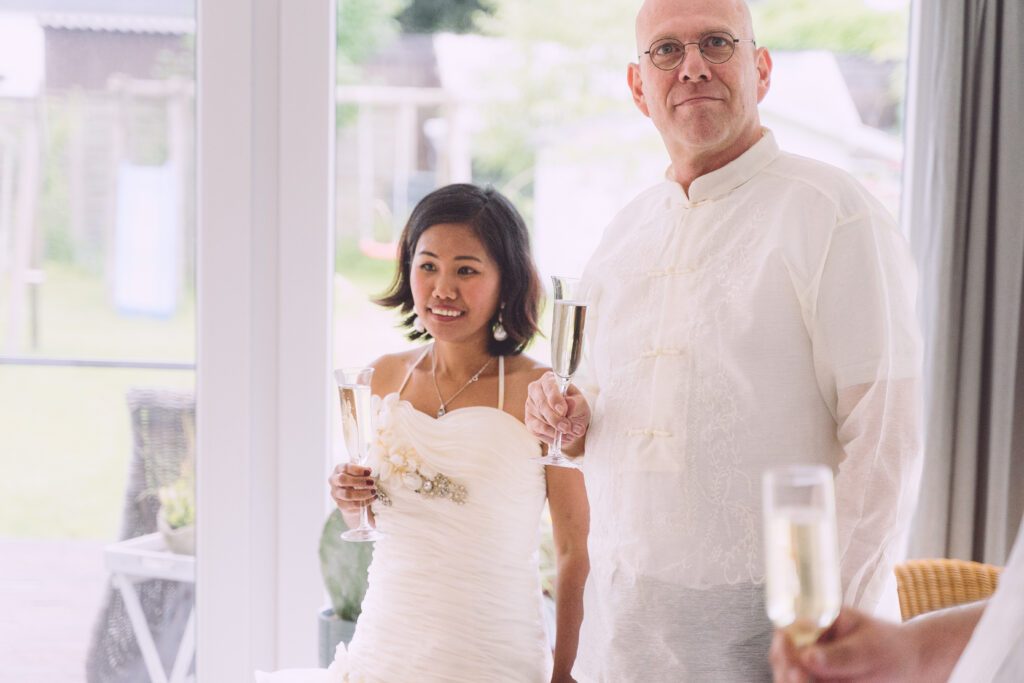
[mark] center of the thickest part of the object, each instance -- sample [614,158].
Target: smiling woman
[454,592]
[486,245]
[454,282]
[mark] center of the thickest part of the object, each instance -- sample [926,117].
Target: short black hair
[503,233]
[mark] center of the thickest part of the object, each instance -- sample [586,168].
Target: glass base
[361,535]
[556,460]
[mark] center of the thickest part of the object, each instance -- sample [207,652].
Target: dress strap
[411,368]
[501,382]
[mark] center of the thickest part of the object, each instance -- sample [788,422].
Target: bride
[454,591]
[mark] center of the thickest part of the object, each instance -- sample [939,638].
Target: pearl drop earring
[499,332]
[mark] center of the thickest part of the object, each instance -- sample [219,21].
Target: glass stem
[556,447]
[364,516]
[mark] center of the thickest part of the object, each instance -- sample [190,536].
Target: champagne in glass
[357,427]
[355,416]
[569,318]
[567,338]
[801,552]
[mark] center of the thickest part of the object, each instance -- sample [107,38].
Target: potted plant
[177,515]
[344,568]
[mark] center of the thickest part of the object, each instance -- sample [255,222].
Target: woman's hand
[351,487]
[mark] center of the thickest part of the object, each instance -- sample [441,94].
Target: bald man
[754,309]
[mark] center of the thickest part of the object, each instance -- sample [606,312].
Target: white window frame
[265,122]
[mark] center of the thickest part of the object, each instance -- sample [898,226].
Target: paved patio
[50,593]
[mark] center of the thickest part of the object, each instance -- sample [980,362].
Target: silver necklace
[433,374]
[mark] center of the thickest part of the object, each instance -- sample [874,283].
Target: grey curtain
[964,208]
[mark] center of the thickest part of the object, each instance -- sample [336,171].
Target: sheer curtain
[964,204]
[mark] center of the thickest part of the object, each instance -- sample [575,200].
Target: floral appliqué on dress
[398,463]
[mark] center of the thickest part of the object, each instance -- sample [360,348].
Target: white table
[141,559]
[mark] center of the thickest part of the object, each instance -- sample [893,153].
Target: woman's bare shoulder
[520,371]
[530,368]
[390,369]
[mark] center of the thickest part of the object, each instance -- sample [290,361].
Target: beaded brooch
[400,462]
[439,486]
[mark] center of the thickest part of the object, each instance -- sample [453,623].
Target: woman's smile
[445,314]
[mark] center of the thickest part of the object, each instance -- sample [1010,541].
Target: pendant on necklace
[441,411]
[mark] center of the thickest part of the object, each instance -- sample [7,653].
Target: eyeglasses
[717,48]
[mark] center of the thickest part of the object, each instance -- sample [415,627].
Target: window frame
[265,147]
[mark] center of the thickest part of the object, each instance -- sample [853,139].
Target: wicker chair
[926,585]
[161,421]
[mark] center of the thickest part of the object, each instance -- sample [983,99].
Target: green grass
[370,275]
[77,319]
[66,448]
[65,436]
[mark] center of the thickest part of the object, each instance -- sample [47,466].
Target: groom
[754,309]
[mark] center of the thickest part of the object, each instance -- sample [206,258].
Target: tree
[849,26]
[431,16]
[363,25]
[568,50]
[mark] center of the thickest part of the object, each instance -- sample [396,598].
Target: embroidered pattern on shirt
[672,270]
[648,432]
[663,351]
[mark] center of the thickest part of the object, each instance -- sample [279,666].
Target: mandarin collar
[724,180]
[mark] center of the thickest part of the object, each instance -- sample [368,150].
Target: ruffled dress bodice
[454,591]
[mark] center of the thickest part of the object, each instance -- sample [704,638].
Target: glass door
[97,339]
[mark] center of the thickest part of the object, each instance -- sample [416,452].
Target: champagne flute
[801,551]
[569,317]
[356,423]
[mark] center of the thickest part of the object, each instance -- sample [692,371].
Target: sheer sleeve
[867,354]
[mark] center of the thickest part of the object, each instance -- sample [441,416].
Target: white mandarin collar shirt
[724,180]
[765,319]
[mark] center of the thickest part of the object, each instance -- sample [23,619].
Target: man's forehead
[659,16]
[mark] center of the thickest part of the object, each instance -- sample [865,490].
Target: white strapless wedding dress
[454,591]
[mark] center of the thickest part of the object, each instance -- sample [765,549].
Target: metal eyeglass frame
[682,53]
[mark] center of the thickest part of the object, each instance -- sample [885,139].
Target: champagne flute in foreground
[569,317]
[801,552]
[356,423]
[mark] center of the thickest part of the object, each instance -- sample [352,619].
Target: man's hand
[547,411]
[352,487]
[856,648]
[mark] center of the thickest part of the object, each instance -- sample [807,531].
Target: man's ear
[764,72]
[636,87]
